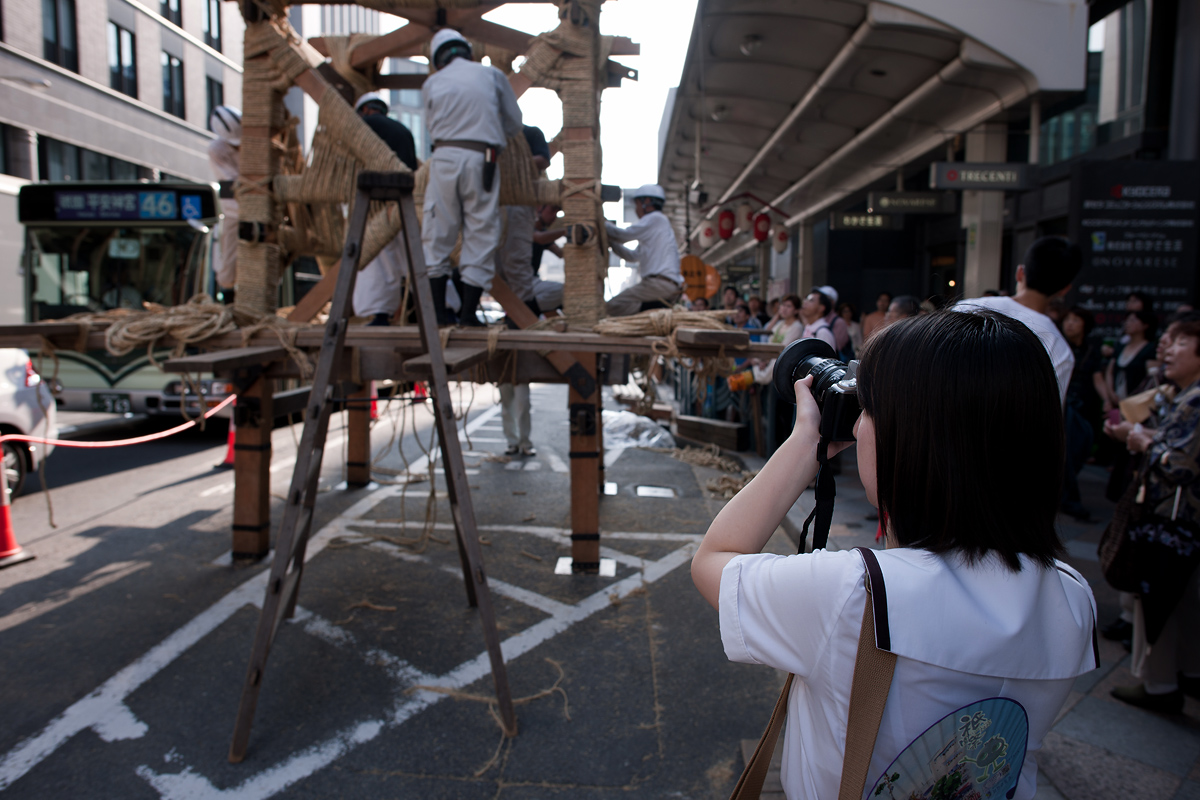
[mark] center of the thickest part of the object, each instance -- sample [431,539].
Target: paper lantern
[712,281]
[708,234]
[762,227]
[745,222]
[725,222]
[695,276]
[780,238]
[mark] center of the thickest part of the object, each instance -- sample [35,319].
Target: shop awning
[803,102]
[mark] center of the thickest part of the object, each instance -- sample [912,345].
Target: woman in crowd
[1171,463]
[903,307]
[786,326]
[1125,372]
[848,313]
[973,590]
[1081,414]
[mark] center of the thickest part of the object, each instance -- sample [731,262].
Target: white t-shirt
[657,253]
[962,633]
[1056,346]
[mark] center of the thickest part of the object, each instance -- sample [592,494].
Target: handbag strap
[873,668]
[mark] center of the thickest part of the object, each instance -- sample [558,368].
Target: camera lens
[807,357]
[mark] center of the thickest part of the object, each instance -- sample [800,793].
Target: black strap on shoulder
[1095,640]
[883,630]
[823,510]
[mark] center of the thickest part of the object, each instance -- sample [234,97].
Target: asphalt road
[125,641]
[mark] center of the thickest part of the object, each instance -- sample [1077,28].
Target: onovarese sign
[911,203]
[968,175]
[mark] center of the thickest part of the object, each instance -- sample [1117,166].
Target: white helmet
[829,292]
[226,123]
[442,38]
[370,97]
[650,190]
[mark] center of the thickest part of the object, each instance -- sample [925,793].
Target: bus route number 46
[156,205]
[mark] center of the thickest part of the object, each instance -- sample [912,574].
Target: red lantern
[708,235]
[725,223]
[762,227]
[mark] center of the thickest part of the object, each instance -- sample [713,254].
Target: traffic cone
[10,552]
[374,401]
[228,462]
[419,391]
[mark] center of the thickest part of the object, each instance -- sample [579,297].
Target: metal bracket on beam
[581,381]
[583,419]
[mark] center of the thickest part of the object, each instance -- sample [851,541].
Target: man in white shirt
[471,112]
[1050,264]
[813,311]
[657,254]
[223,157]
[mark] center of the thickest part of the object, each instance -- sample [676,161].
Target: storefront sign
[1136,224]
[842,221]
[969,175]
[911,203]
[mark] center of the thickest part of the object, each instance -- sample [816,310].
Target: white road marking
[611,455]
[223,488]
[481,440]
[556,463]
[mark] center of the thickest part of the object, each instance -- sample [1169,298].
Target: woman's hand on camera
[808,417]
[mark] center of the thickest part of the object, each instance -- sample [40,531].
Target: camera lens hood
[792,357]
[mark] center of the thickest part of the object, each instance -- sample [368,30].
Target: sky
[630,115]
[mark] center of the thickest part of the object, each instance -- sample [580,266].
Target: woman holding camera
[960,446]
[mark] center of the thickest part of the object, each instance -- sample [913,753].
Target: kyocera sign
[966,175]
[1122,191]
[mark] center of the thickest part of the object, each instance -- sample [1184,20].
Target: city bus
[92,247]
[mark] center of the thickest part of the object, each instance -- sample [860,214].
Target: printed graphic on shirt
[974,753]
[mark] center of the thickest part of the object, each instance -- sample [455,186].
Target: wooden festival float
[291,206]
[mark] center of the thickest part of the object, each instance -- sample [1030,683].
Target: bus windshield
[78,269]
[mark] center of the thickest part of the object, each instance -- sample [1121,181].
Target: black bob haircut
[1051,263]
[968,435]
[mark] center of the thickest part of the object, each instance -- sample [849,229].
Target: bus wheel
[15,467]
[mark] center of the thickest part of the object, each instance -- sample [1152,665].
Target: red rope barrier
[13,437]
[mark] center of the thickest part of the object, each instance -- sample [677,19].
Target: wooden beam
[401,81]
[732,338]
[457,360]
[624,46]
[218,361]
[390,44]
[586,459]
[252,472]
[519,83]
[315,299]
[498,35]
[358,437]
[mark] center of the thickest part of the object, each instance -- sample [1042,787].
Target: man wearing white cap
[657,254]
[377,289]
[841,331]
[226,123]
[471,112]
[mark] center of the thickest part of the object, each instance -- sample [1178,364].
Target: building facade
[114,89]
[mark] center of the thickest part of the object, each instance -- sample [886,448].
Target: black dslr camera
[834,385]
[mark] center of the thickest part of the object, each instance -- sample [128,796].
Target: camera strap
[823,510]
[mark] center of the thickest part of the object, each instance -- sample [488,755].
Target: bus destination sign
[122,204]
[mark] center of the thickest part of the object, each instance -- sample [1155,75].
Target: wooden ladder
[287,567]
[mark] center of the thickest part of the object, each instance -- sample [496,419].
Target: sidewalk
[1100,748]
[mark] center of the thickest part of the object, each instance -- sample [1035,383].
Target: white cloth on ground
[962,633]
[378,285]
[455,201]
[469,101]
[1056,346]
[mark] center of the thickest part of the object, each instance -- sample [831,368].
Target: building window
[172,71]
[58,33]
[170,10]
[122,69]
[57,161]
[216,97]
[212,23]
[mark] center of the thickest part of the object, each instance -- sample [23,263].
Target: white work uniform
[465,101]
[962,633]
[657,257]
[223,159]
[1056,346]
[378,285]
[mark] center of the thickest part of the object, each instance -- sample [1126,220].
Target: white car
[26,407]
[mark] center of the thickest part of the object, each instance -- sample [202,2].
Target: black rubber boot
[470,302]
[438,285]
[380,320]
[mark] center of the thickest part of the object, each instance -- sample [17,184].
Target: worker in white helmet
[223,151]
[657,254]
[470,111]
[377,288]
